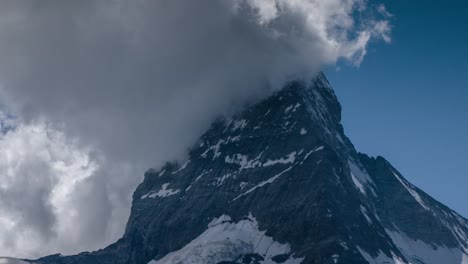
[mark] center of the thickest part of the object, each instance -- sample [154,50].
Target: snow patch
[181,168]
[344,245]
[358,184]
[243,161]
[413,192]
[240,124]
[303,131]
[312,151]
[456,230]
[261,184]
[417,251]
[215,149]
[201,175]
[296,107]
[228,241]
[242,185]
[292,107]
[289,159]
[234,139]
[335,258]
[361,178]
[220,220]
[364,212]
[220,180]
[380,258]
[338,136]
[163,192]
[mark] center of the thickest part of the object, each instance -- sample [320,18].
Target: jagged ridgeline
[281,183]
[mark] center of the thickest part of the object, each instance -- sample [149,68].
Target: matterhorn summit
[281,183]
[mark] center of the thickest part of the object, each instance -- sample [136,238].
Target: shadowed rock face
[281,183]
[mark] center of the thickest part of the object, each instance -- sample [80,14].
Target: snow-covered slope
[281,183]
[225,240]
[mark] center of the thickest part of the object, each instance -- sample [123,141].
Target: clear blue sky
[408,101]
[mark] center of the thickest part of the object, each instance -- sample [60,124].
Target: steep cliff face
[281,183]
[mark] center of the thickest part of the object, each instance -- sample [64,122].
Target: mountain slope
[281,183]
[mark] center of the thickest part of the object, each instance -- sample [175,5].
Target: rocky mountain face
[281,183]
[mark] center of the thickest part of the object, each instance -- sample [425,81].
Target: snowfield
[228,241]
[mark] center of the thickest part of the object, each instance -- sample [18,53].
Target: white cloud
[41,174]
[127,85]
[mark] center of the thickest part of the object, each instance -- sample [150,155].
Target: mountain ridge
[281,183]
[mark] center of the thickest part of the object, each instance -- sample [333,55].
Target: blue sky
[408,101]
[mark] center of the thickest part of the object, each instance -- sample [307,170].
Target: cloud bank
[98,91]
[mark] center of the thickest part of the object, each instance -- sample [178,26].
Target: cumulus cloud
[101,90]
[33,159]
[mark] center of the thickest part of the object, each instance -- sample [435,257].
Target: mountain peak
[281,183]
